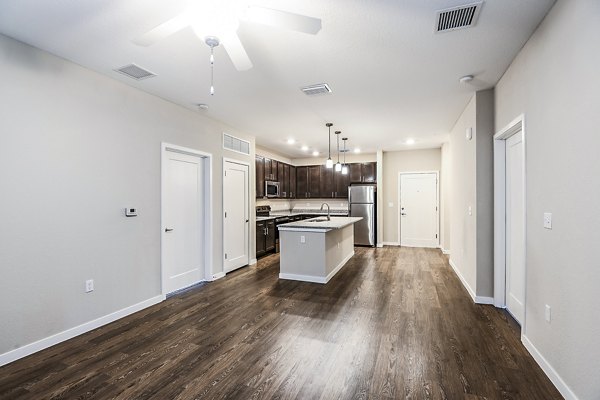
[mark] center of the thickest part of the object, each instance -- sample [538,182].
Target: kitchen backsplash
[302,204]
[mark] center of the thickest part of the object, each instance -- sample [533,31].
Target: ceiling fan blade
[283,19]
[237,53]
[163,30]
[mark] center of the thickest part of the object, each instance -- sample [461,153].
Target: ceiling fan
[217,22]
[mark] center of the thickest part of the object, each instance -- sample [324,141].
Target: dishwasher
[279,221]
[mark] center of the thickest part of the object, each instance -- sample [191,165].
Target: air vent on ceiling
[235,144]
[457,17]
[135,72]
[321,88]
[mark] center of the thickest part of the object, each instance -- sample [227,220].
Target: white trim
[550,372]
[253,261]
[444,251]
[462,280]
[57,338]
[515,126]
[484,300]
[437,202]
[246,164]
[208,209]
[476,299]
[216,276]
[317,279]
[391,243]
[380,245]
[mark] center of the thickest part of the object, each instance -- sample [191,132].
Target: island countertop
[318,224]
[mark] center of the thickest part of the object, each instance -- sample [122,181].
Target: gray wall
[554,81]
[471,174]
[76,148]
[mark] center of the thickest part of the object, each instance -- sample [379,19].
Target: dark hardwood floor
[394,323]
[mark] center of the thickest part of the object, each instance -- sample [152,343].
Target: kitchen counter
[319,224]
[277,214]
[315,251]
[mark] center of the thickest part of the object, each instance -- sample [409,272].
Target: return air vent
[235,144]
[457,17]
[313,90]
[135,72]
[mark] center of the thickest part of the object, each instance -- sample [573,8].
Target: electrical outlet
[89,285]
[548,220]
[548,313]
[302,239]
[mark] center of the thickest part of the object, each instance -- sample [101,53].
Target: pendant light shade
[329,162]
[345,166]
[338,166]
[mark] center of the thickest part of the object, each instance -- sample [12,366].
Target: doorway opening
[186,217]
[418,209]
[510,220]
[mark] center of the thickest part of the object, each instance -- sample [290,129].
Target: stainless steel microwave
[272,189]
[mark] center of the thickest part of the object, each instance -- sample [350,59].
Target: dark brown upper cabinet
[292,182]
[326,184]
[363,172]
[260,176]
[301,182]
[341,182]
[314,179]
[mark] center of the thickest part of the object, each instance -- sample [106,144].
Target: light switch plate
[302,239]
[548,220]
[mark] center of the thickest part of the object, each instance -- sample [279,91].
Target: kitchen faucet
[325,204]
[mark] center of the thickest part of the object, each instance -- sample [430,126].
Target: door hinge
[225,173]
[225,214]
[226,256]
[436,235]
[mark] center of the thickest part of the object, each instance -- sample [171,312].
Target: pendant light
[212,42]
[345,166]
[338,166]
[329,162]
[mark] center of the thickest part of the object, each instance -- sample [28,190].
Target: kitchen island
[314,250]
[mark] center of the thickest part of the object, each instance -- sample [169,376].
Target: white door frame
[437,201]
[207,212]
[518,124]
[233,160]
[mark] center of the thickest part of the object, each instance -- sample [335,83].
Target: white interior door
[236,230]
[183,220]
[418,210]
[515,228]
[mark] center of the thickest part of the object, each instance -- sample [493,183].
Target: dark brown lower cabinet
[265,237]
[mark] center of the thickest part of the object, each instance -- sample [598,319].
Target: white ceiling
[392,77]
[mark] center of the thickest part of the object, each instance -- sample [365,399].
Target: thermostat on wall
[131,212]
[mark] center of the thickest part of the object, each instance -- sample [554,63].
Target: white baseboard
[462,280]
[484,300]
[476,299]
[253,261]
[444,251]
[379,244]
[391,244]
[216,276]
[317,279]
[548,370]
[42,344]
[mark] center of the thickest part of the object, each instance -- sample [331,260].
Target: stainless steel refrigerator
[361,203]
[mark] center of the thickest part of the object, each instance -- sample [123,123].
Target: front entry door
[515,231]
[418,210]
[183,221]
[236,219]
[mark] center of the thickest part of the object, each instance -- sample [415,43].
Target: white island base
[315,251]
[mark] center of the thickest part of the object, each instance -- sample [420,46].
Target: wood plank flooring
[394,323]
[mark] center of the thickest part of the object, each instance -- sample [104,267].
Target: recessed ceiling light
[357,150]
[291,141]
[304,148]
[202,106]
[466,79]
[410,141]
[315,153]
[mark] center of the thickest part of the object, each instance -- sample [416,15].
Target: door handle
[168,230]
[247,220]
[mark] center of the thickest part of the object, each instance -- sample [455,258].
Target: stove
[263,211]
